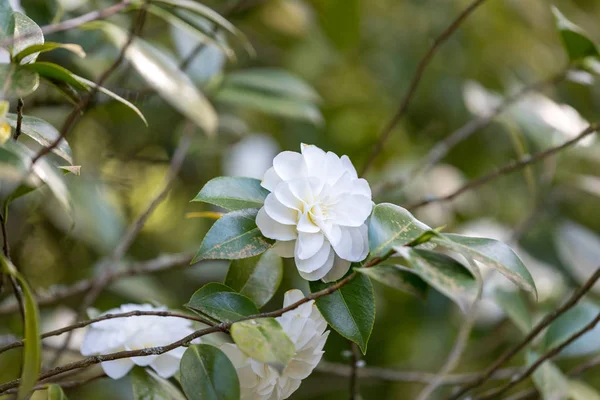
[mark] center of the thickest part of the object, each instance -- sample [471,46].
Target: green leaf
[494,254]
[515,306]
[221,303]
[43,133]
[233,193]
[147,385]
[54,72]
[349,310]
[571,322]
[548,379]
[6,20]
[391,225]
[264,340]
[396,278]
[27,33]
[574,39]
[49,46]
[55,392]
[232,237]
[444,273]
[32,349]
[17,81]
[269,104]
[271,80]
[256,277]
[163,74]
[579,390]
[208,374]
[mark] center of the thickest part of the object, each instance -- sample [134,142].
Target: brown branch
[441,149]
[20,105]
[548,319]
[505,170]
[64,384]
[387,130]
[82,324]
[5,245]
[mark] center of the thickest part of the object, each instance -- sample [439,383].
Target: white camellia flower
[305,326]
[133,333]
[316,211]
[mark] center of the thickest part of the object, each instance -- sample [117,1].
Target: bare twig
[354,381]
[505,170]
[573,300]
[387,130]
[64,384]
[5,245]
[439,151]
[20,105]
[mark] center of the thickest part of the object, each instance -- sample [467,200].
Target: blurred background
[358,56]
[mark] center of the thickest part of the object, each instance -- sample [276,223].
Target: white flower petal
[290,165]
[320,272]
[116,369]
[314,157]
[284,248]
[286,197]
[333,168]
[339,269]
[166,365]
[361,186]
[353,210]
[292,296]
[273,229]
[279,212]
[305,224]
[308,244]
[347,164]
[315,262]
[271,180]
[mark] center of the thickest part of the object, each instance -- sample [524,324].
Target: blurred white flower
[316,211]
[251,156]
[134,333]
[305,326]
[60,317]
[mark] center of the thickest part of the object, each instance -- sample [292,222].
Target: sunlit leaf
[579,250]
[6,20]
[349,310]
[49,46]
[233,193]
[549,380]
[256,277]
[579,390]
[575,40]
[221,303]
[27,33]
[208,374]
[17,81]
[147,385]
[277,81]
[515,306]
[391,225]
[571,322]
[396,278]
[264,340]
[55,392]
[54,72]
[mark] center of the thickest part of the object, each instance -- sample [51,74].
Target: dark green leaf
[232,237]
[221,303]
[49,46]
[571,322]
[515,306]
[391,225]
[54,72]
[17,81]
[256,277]
[233,193]
[444,273]
[32,349]
[43,133]
[147,385]
[208,374]
[349,310]
[55,392]
[574,39]
[276,81]
[163,74]
[494,254]
[264,340]
[396,278]
[27,33]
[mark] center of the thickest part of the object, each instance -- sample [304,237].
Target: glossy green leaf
[515,307]
[264,340]
[54,72]
[208,374]
[27,33]
[276,81]
[571,322]
[232,237]
[269,104]
[163,74]
[146,385]
[233,193]
[391,225]
[32,349]
[17,81]
[222,303]
[43,133]
[444,273]
[494,254]
[405,281]
[55,392]
[256,277]
[579,390]
[349,310]
[549,380]
[574,39]
[49,46]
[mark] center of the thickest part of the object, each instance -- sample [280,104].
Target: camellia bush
[310,243]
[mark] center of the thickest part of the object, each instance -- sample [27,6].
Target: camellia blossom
[134,333]
[305,326]
[316,212]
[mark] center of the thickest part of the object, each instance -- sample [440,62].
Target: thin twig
[82,324]
[439,151]
[387,130]
[354,381]
[505,170]
[20,105]
[493,394]
[573,300]
[5,245]
[64,384]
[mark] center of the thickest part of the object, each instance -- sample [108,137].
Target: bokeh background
[359,56]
